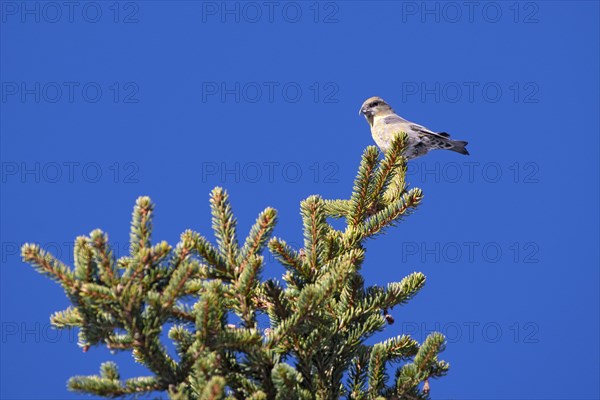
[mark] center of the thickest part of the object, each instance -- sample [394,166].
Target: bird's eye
[374,104]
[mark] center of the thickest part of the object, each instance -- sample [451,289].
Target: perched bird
[385,123]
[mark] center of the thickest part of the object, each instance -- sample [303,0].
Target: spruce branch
[204,249]
[103,257]
[245,286]
[141,225]
[377,375]
[108,383]
[214,389]
[392,165]
[237,335]
[259,234]
[393,212]
[290,258]
[66,319]
[179,277]
[47,265]
[395,293]
[337,208]
[361,192]
[288,383]
[224,224]
[86,269]
[358,373]
[315,229]
[424,366]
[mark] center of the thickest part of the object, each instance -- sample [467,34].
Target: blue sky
[102,102]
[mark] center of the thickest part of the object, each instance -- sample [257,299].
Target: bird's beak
[363,111]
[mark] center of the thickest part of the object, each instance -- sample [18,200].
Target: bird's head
[374,106]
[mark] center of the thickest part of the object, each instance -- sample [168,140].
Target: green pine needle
[237,335]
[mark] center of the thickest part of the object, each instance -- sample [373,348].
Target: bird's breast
[380,135]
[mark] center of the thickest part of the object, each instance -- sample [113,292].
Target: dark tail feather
[460,146]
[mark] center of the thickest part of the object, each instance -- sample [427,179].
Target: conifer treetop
[319,316]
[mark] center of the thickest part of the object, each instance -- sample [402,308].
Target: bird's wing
[393,119]
[421,129]
[393,124]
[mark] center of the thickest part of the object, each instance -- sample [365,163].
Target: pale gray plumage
[385,123]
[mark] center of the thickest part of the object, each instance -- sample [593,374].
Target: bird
[384,123]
